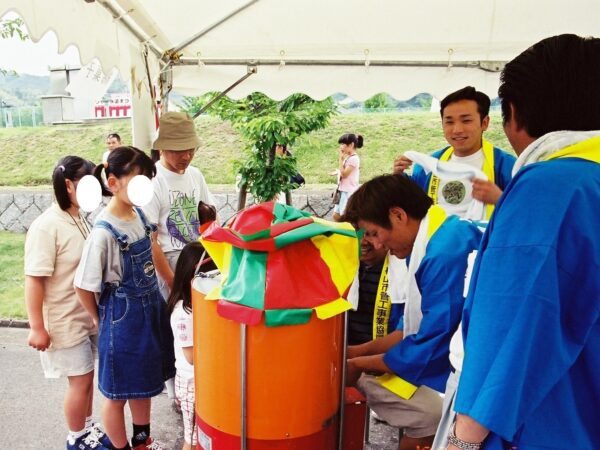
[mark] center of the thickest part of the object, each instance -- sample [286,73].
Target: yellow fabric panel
[437,215]
[220,252]
[397,385]
[338,225]
[340,253]
[215,294]
[588,150]
[332,309]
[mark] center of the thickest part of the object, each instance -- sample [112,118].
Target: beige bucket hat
[176,132]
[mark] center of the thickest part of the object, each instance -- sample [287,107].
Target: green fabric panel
[262,234]
[246,282]
[285,213]
[307,232]
[278,317]
[359,235]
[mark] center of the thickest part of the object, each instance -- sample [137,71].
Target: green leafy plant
[8,29]
[264,123]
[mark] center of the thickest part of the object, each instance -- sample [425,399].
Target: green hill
[29,154]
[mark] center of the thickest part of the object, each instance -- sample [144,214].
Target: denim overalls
[135,340]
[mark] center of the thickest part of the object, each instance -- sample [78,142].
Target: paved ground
[31,406]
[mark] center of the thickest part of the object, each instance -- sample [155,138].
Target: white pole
[19,114]
[33,116]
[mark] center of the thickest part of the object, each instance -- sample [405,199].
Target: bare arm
[345,171]
[371,364]
[376,346]
[34,300]
[88,301]
[188,352]
[160,261]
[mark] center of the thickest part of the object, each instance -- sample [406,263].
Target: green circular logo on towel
[454,192]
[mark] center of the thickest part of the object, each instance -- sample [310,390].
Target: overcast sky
[35,58]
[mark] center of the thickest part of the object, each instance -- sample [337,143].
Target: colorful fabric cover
[282,262]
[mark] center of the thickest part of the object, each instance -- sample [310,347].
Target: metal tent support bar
[343,383]
[122,17]
[197,36]
[243,409]
[490,66]
[251,71]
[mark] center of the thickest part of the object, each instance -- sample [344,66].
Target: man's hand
[39,339]
[401,163]
[486,191]
[353,372]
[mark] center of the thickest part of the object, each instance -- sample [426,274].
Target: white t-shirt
[52,250]
[455,196]
[174,207]
[183,332]
[101,259]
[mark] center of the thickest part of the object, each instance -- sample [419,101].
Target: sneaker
[96,431]
[150,444]
[85,442]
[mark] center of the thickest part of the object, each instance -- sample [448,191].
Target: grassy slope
[29,154]
[11,275]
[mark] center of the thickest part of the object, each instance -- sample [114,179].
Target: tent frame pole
[221,21]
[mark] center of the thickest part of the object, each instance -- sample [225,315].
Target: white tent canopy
[318,47]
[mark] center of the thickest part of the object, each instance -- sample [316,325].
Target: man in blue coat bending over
[465,116]
[531,373]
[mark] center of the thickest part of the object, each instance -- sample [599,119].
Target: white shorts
[72,361]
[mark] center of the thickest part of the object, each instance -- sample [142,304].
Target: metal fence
[20,116]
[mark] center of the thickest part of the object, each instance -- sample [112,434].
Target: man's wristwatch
[459,443]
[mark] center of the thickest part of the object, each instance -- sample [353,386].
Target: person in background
[59,326]
[178,188]
[530,378]
[113,140]
[465,117]
[375,315]
[348,171]
[135,341]
[179,305]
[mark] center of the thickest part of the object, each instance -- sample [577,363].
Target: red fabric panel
[297,277]
[239,313]
[281,228]
[218,234]
[253,219]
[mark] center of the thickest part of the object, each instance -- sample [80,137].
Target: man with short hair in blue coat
[465,116]
[531,323]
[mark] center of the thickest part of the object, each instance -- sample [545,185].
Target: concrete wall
[19,208]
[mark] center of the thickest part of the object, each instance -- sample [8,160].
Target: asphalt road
[31,414]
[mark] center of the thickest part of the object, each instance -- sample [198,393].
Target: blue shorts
[340,208]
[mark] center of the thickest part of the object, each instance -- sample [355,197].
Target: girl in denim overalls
[135,342]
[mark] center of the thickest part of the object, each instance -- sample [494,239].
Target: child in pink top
[348,170]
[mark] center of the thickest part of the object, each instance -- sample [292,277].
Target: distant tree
[378,101]
[192,105]
[263,123]
[8,29]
